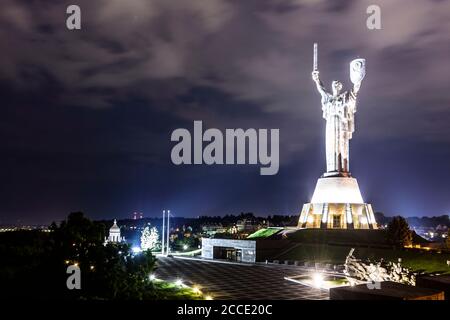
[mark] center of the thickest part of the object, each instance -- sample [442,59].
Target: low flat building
[249,251]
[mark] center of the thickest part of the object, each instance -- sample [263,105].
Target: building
[114,234]
[249,251]
[212,229]
[137,215]
[247,226]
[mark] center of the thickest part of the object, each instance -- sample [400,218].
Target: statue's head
[336,86]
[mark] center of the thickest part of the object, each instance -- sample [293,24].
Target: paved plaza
[229,281]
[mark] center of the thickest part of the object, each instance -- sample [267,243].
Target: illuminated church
[114,234]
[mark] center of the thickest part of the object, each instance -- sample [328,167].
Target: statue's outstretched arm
[319,84]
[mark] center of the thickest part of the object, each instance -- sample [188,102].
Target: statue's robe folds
[339,112]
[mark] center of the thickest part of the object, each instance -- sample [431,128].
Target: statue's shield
[357,70]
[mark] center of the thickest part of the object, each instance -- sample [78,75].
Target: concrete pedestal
[337,190]
[337,203]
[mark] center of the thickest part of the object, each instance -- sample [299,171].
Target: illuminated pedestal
[337,203]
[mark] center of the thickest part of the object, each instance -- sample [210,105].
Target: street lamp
[168,232]
[163,230]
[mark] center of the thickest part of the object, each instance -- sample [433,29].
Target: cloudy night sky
[86,115]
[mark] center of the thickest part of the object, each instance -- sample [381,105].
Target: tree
[149,238]
[398,232]
[381,219]
[34,265]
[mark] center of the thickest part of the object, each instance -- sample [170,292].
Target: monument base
[337,203]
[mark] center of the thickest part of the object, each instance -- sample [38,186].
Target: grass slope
[264,233]
[417,260]
[332,246]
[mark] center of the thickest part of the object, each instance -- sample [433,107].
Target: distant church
[114,234]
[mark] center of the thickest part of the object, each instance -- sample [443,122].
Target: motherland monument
[337,201]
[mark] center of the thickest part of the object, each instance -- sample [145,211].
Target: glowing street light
[208,297]
[163,232]
[196,290]
[136,249]
[152,277]
[179,282]
[317,280]
[185,247]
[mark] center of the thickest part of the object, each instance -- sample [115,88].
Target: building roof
[114,227]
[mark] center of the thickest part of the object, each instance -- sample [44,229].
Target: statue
[337,201]
[338,110]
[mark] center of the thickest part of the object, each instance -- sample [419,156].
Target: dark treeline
[425,222]
[271,220]
[197,223]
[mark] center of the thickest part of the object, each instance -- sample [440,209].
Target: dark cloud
[87,115]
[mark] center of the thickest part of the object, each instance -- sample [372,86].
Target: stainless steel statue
[338,110]
[337,202]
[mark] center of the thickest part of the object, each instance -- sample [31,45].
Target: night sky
[86,116]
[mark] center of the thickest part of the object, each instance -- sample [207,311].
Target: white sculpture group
[377,271]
